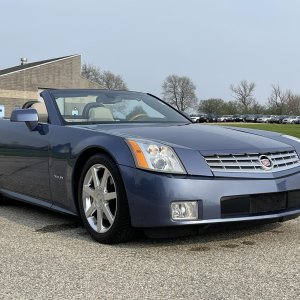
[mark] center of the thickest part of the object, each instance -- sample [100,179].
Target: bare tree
[106,79]
[90,72]
[278,99]
[257,108]
[179,92]
[292,103]
[112,82]
[243,94]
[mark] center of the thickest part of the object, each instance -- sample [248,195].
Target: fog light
[187,210]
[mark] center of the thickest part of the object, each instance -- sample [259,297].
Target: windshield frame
[55,93]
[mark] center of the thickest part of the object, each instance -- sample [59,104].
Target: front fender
[65,155]
[115,146]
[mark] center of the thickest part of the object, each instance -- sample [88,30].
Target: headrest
[88,106]
[100,114]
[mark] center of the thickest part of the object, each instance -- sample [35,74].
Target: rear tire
[102,200]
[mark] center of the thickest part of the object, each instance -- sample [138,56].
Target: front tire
[102,201]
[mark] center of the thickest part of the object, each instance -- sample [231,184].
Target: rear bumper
[150,195]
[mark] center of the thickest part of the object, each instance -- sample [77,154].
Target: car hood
[204,138]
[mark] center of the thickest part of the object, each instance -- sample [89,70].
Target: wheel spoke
[110,196]
[95,177]
[107,212]
[99,196]
[104,179]
[89,191]
[90,210]
[99,219]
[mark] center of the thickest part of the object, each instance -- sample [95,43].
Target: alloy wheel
[99,198]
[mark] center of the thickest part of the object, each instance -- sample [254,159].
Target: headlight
[155,157]
[291,138]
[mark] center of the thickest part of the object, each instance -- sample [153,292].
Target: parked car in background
[263,119]
[297,121]
[244,116]
[205,118]
[225,118]
[277,119]
[209,118]
[195,118]
[250,118]
[238,118]
[290,120]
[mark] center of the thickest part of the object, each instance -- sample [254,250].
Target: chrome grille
[249,162]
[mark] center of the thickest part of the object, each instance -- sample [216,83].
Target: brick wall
[12,99]
[21,86]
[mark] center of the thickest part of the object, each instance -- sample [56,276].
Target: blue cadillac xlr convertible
[126,160]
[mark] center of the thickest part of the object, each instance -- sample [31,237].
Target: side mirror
[29,116]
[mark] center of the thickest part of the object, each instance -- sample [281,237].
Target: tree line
[180,92]
[280,102]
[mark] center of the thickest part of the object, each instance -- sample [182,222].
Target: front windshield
[113,106]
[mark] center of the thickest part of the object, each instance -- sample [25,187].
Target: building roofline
[36,64]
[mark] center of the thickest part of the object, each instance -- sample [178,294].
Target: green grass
[290,129]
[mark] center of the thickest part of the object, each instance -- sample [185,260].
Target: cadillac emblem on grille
[266,162]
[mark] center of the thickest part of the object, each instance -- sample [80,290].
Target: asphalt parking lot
[44,255]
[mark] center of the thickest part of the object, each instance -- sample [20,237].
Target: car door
[24,161]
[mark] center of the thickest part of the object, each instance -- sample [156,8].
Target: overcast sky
[214,42]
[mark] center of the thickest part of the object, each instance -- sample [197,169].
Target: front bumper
[150,195]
